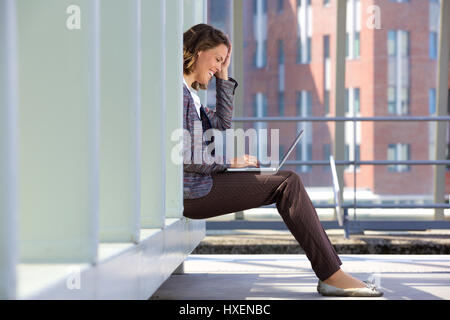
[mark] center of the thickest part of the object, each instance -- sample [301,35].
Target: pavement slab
[290,277]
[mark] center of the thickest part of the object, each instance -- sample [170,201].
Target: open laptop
[263,168]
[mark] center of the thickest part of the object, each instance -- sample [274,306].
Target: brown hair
[200,37]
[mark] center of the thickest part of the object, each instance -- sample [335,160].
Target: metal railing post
[238,70]
[339,81]
[441,107]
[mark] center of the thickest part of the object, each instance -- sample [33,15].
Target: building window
[326,101]
[263,4]
[353,29]
[326,47]
[326,156]
[304,148]
[398,72]
[304,153]
[327,73]
[260,57]
[280,152]
[355,47]
[281,104]
[352,134]
[280,51]
[304,104]
[303,51]
[260,111]
[399,152]
[304,31]
[280,5]
[352,155]
[433,45]
[260,33]
[432,101]
[259,105]
[392,98]
[353,106]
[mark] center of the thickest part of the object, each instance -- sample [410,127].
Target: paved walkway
[289,276]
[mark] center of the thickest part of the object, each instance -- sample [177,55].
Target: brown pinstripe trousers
[238,191]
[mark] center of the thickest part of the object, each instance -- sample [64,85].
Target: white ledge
[123,270]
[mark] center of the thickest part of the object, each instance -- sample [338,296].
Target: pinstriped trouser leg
[238,191]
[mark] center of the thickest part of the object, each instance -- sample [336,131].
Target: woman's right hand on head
[244,161]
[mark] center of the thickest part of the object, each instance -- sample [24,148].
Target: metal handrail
[374,162]
[355,162]
[379,206]
[344,119]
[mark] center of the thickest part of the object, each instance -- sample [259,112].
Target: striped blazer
[197,180]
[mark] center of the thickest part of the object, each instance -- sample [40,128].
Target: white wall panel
[195,12]
[120,121]
[153,114]
[8,157]
[174,110]
[58,130]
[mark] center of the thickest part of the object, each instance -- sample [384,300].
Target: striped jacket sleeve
[219,119]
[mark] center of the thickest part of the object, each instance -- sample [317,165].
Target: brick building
[390,71]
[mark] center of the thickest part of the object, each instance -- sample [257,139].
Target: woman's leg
[238,191]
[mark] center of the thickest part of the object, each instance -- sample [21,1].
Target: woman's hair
[200,37]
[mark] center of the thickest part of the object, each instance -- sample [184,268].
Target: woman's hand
[244,161]
[223,74]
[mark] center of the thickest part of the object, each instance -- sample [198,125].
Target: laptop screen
[291,148]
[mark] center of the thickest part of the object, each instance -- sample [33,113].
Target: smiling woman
[206,53]
[209,190]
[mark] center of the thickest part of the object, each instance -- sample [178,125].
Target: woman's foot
[342,280]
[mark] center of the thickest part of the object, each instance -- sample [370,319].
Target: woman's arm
[221,117]
[225,88]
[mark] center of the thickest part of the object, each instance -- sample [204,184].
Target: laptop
[268,168]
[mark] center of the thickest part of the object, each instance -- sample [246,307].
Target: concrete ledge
[123,271]
[282,242]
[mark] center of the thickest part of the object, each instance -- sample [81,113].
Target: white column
[441,107]
[195,12]
[120,121]
[339,98]
[153,114]
[174,103]
[58,130]
[8,159]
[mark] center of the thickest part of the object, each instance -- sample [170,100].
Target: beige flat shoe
[368,291]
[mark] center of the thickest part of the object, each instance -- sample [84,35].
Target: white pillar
[120,121]
[174,103]
[442,107]
[153,114]
[8,160]
[195,12]
[339,90]
[58,130]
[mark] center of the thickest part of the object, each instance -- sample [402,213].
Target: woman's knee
[291,175]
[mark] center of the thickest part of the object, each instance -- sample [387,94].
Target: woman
[210,191]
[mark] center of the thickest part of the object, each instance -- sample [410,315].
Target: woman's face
[209,62]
